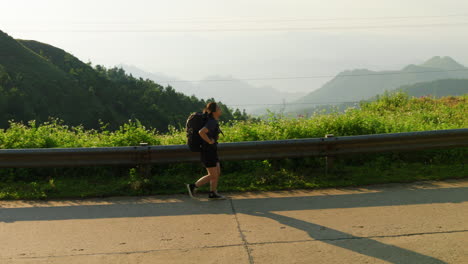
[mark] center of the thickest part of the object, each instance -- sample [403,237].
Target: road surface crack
[244,240]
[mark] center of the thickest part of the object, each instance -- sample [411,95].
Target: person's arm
[204,136]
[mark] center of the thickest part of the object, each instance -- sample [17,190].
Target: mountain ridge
[360,84]
[433,89]
[443,63]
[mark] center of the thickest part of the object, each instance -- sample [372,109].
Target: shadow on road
[361,245]
[264,207]
[390,197]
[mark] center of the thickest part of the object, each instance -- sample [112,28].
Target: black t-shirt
[213,128]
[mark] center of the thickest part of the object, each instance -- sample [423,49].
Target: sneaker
[191,188]
[216,196]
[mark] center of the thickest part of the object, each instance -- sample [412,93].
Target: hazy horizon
[247,39]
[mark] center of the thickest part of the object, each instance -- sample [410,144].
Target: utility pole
[283,108]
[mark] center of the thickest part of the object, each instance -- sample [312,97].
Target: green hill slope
[32,87]
[439,88]
[38,81]
[20,60]
[96,89]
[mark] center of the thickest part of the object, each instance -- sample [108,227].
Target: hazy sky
[193,40]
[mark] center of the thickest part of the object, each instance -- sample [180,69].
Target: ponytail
[210,108]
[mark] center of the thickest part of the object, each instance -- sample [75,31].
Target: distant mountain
[231,91]
[437,89]
[38,81]
[361,84]
[179,85]
[446,63]
[238,92]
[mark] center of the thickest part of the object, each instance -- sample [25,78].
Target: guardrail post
[329,160]
[144,167]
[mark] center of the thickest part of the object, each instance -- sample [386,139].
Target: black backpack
[195,122]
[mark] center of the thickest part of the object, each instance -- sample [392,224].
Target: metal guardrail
[144,155]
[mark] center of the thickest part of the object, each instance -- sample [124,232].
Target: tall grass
[389,114]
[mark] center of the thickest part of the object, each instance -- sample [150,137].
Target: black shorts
[209,155]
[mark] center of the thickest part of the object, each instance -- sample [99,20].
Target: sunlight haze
[195,40]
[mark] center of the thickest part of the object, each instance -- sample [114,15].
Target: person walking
[209,152]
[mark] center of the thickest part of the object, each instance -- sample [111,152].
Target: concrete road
[405,223]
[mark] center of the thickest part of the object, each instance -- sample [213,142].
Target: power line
[341,18]
[311,77]
[287,104]
[309,103]
[265,20]
[273,29]
[330,19]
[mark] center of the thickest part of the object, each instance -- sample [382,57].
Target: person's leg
[214,184]
[207,178]
[214,179]
[204,157]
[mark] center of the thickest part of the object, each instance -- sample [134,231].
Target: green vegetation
[390,113]
[38,81]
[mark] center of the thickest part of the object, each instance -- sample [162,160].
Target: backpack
[195,122]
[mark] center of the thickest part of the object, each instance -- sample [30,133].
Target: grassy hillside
[32,87]
[362,84]
[439,88]
[391,113]
[20,60]
[39,81]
